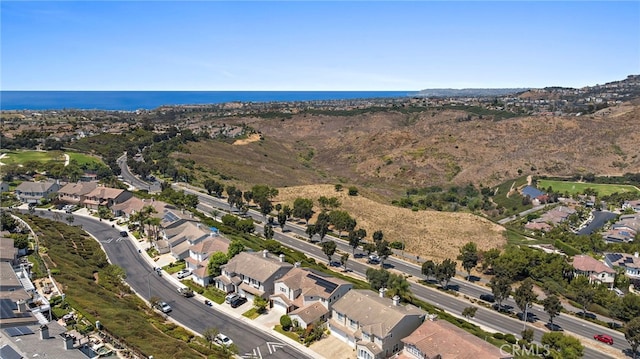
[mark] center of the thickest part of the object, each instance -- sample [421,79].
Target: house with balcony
[35,192]
[199,254]
[596,271]
[306,295]
[436,339]
[75,193]
[252,274]
[106,196]
[372,324]
[177,240]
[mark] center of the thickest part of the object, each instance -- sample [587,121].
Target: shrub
[353,191]
[285,321]
[510,338]
[498,336]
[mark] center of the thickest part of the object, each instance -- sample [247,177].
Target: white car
[223,340]
[183,273]
[164,307]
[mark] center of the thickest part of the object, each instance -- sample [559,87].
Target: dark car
[238,301]
[488,298]
[123,233]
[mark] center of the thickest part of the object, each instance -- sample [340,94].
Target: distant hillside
[470,92]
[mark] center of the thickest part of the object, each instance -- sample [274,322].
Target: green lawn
[579,187]
[21,157]
[82,159]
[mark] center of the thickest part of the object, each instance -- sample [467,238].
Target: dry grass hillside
[430,234]
[385,153]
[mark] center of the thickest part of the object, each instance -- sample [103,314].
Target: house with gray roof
[630,264]
[4,186]
[372,324]
[182,237]
[306,295]
[34,192]
[199,254]
[252,274]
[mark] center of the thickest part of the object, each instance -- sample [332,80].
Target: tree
[273,246]
[627,307]
[260,304]
[632,334]
[216,260]
[303,208]
[567,347]
[282,220]
[210,335]
[265,206]
[469,312]
[583,290]
[429,269]
[341,221]
[343,260]
[322,228]
[354,241]
[285,322]
[398,285]
[377,278]
[353,191]
[378,236]
[70,219]
[524,296]
[210,185]
[191,201]
[500,287]
[552,306]
[235,247]
[445,271]
[469,257]
[338,187]
[263,192]
[329,248]
[369,247]
[383,250]
[311,231]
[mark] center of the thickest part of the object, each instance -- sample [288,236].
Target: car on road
[164,307]
[603,338]
[373,259]
[223,340]
[238,301]
[488,298]
[553,327]
[183,274]
[124,234]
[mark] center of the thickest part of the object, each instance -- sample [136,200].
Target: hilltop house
[306,295]
[252,274]
[105,196]
[372,324]
[76,193]
[198,258]
[596,271]
[34,192]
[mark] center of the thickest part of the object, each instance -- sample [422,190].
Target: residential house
[106,196]
[307,295]
[4,186]
[14,297]
[179,239]
[630,264]
[198,258]
[252,274]
[372,324]
[134,205]
[76,193]
[532,192]
[34,192]
[8,253]
[624,230]
[436,339]
[635,205]
[172,217]
[596,271]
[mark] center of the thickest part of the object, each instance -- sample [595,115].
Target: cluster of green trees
[454,198]
[178,198]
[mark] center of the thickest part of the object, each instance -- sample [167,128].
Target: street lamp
[149,284]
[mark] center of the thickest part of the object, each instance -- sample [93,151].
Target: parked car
[183,274]
[186,292]
[238,301]
[488,298]
[223,340]
[231,297]
[124,234]
[603,338]
[164,307]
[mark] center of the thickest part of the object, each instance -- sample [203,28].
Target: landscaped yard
[579,187]
[21,157]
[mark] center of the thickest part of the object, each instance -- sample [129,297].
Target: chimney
[265,253]
[22,306]
[281,258]
[44,332]
[68,341]
[396,301]
[297,265]
[381,292]
[198,224]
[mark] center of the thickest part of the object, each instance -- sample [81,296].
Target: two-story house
[630,264]
[4,186]
[106,196]
[198,258]
[182,237]
[436,339]
[635,205]
[306,295]
[372,324]
[596,271]
[34,192]
[75,193]
[252,274]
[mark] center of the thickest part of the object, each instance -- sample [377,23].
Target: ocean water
[148,100]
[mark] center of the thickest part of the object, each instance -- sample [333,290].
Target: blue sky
[323,45]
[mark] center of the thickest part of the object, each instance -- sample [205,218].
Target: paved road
[599,220]
[486,317]
[188,311]
[133,180]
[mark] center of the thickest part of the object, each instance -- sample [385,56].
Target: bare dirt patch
[252,138]
[430,234]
